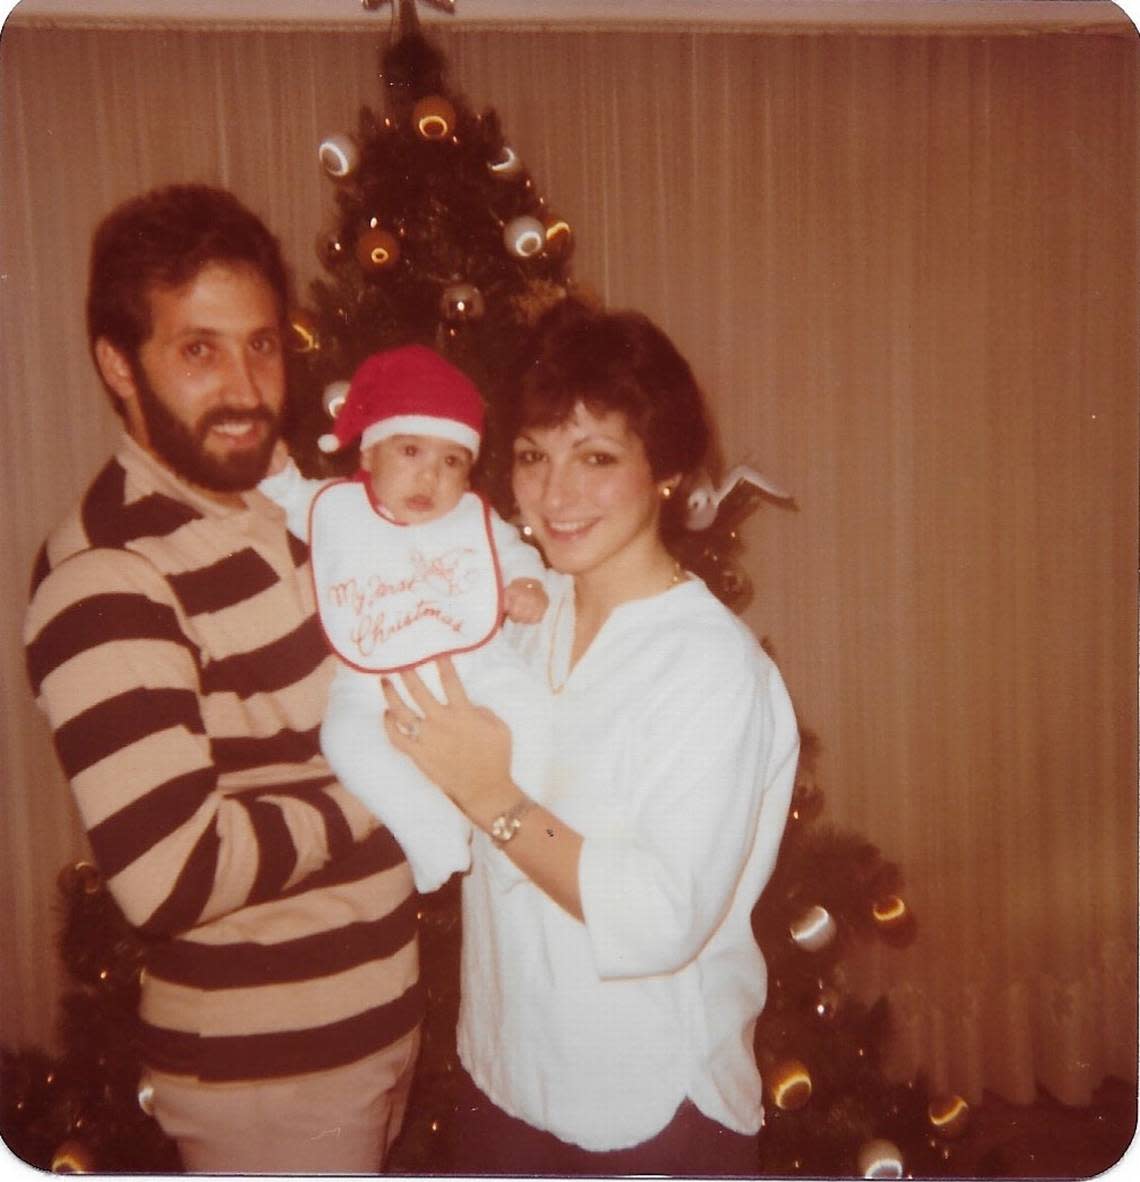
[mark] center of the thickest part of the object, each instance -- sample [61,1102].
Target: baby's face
[417,478]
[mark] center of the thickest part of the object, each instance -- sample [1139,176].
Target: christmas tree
[82,1111]
[441,237]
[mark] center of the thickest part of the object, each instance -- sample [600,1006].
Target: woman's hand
[464,748]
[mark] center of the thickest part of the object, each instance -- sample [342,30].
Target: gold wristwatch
[507,824]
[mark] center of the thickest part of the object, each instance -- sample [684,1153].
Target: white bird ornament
[704,501]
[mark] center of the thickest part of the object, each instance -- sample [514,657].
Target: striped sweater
[173,644]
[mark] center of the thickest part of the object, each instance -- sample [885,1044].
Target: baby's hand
[525,601]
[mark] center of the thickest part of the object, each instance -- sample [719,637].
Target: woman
[610,980]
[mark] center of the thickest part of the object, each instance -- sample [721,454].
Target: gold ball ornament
[807,801]
[880,1158]
[949,1116]
[814,929]
[84,876]
[732,582]
[339,155]
[433,117]
[788,1084]
[524,237]
[559,237]
[330,248]
[461,303]
[73,1157]
[894,920]
[304,335]
[825,1005]
[377,250]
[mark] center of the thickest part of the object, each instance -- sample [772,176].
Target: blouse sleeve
[714,764]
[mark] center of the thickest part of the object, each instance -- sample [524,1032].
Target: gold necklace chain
[677,576]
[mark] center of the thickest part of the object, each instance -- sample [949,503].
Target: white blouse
[675,749]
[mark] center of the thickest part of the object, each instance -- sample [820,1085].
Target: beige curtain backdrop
[904,268]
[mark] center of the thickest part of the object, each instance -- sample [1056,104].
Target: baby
[409,565]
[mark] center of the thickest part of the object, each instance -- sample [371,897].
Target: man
[172,642]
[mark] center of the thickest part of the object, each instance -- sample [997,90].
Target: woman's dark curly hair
[613,361]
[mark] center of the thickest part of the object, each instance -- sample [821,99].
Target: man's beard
[182,447]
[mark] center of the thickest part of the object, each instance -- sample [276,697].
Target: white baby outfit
[392,596]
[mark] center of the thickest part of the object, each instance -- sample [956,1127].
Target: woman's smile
[565,530]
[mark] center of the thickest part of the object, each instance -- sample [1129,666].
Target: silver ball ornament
[524,237]
[880,1159]
[339,155]
[506,164]
[333,397]
[814,929]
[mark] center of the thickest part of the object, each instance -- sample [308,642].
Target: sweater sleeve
[293,493]
[714,763]
[111,665]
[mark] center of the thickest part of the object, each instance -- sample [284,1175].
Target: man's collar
[150,475]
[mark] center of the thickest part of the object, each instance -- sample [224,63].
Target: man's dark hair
[162,239]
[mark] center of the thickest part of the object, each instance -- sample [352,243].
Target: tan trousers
[341,1121]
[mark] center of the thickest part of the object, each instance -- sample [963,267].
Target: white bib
[391,596]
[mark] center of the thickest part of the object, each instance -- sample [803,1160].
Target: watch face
[504,828]
[507,824]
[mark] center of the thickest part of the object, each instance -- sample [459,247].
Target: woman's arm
[466,750]
[718,745]
[715,756]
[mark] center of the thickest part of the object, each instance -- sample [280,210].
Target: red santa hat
[408,391]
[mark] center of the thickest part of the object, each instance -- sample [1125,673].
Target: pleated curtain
[904,269]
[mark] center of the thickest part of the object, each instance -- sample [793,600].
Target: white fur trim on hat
[449,429]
